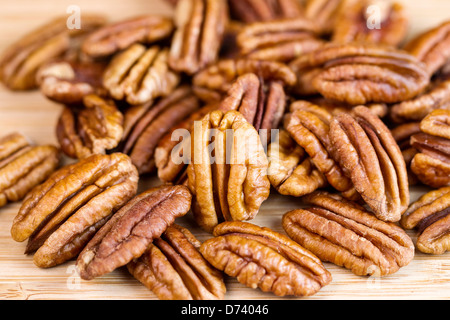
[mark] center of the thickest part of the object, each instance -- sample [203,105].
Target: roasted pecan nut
[230,181]
[372,21]
[342,232]
[291,170]
[150,126]
[279,40]
[139,75]
[23,166]
[200,26]
[174,269]
[262,258]
[20,62]
[250,11]
[324,13]
[369,155]
[130,231]
[60,215]
[213,83]
[114,37]
[360,73]
[429,215]
[96,127]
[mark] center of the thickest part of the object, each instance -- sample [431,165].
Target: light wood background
[426,277]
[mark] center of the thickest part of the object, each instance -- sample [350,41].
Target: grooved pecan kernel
[20,62]
[430,215]
[200,26]
[96,127]
[279,40]
[260,257]
[342,232]
[174,269]
[360,73]
[23,166]
[369,155]
[324,13]
[118,36]
[150,126]
[250,11]
[60,215]
[131,230]
[229,182]
[139,75]
[213,83]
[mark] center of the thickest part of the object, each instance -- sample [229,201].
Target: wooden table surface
[426,277]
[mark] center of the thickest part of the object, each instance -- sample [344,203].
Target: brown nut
[147,128]
[279,40]
[229,182]
[20,62]
[262,258]
[250,11]
[23,166]
[60,215]
[213,83]
[130,231]
[174,269]
[200,27]
[360,73]
[324,13]
[429,215]
[139,75]
[343,233]
[369,155]
[146,29]
[96,127]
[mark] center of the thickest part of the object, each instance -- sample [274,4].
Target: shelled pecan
[60,215]
[139,75]
[213,83]
[95,127]
[230,181]
[20,61]
[150,126]
[324,13]
[250,11]
[114,37]
[130,231]
[431,164]
[23,166]
[200,26]
[174,269]
[262,258]
[372,21]
[342,232]
[429,215]
[279,40]
[369,155]
[360,73]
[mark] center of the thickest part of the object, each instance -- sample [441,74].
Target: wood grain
[426,277]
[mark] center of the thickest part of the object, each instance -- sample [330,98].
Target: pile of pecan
[226,102]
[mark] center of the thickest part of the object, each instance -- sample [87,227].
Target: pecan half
[174,269]
[150,126]
[60,215]
[200,27]
[20,61]
[250,11]
[230,181]
[369,155]
[324,13]
[430,216]
[260,257]
[23,166]
[131,230]
[360,73]
[279,40]
[139,75]
[96,127]
[114,37]
[342,232]
[213,83]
